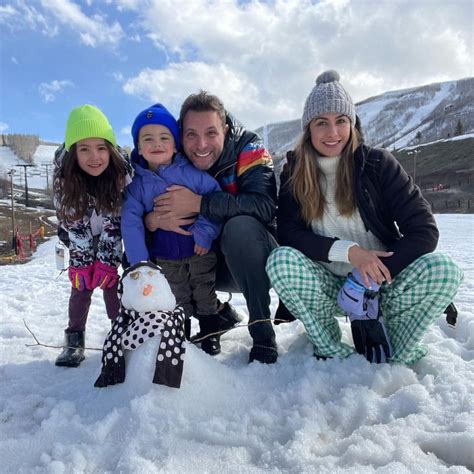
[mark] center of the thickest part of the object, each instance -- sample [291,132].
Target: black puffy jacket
[390,205]
[245,174]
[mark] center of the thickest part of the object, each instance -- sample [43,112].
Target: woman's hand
[369,264]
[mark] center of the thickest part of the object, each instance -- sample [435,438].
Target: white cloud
[118,76]
[49,90]
[25,16]
[7,12]
[93,31]
[126,131]
[3,127]
[170,86]
[262,58]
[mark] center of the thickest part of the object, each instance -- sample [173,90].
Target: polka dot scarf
[133,328]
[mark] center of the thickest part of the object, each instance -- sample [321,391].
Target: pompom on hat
[87,121]
[328,96]
[157,114]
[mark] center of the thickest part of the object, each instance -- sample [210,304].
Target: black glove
[363,309]
[371,340]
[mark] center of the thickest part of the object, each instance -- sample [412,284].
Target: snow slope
[37,179]
[299,415]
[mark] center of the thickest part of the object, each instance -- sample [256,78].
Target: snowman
[148,314]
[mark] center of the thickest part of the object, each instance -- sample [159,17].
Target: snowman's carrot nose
[147,290]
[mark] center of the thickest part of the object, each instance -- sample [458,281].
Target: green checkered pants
[416,298]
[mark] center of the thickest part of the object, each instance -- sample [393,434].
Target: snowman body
[145,289]
[148,335]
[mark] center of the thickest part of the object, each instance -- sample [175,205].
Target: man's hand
[178,201]
[369,265]
[155,220]
[198,250]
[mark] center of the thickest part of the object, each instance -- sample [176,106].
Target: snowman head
[145,288]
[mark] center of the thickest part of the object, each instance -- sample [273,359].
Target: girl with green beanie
[90,175]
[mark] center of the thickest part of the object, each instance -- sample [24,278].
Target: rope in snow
[217,333]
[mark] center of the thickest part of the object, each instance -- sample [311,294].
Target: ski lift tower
[11,173]
[25,166]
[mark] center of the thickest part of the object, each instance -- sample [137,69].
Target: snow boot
[264,351]
[228,316]
[209,324]
[73,354]
[282,314]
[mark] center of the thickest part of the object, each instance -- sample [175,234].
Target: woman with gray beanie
[357,239]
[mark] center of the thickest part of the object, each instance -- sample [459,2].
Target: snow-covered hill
[37,176]
[300,415]
[397,119]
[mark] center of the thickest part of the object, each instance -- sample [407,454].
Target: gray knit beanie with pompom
[328,96]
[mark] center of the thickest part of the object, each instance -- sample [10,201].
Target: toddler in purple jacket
[186,258]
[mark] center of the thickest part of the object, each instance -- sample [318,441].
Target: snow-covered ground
[299,415]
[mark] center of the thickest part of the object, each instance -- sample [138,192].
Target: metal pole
[26,184]
[414,153]
[414,166]
[11,173]
[26,189]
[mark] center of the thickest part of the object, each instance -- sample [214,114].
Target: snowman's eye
[135,275]
[150,274]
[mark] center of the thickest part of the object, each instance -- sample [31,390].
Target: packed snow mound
[298,415]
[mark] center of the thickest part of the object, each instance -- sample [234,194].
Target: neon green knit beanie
[88,121]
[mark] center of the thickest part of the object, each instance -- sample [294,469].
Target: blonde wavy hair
[305,177]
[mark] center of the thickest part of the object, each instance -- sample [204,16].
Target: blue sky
[260,57]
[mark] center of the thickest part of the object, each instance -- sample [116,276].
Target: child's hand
[105,276]
[198,250]
[81,277]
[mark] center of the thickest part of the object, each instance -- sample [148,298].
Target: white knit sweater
[350,230]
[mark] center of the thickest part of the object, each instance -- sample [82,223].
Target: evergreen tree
[459,130]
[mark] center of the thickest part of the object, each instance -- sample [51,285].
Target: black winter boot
[228,316]
[264,351]
[73,354]
[209,324]
[282,314]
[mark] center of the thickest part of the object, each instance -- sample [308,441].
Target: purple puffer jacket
[147,185]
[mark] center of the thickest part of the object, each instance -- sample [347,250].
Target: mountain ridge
[397,118]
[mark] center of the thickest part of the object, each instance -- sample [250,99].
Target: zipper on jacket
[223,169]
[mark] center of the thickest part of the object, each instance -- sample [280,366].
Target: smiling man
[215,142]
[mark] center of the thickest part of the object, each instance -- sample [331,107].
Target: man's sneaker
[264,351]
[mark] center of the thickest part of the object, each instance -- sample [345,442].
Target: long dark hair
[305,178]
[75,187]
